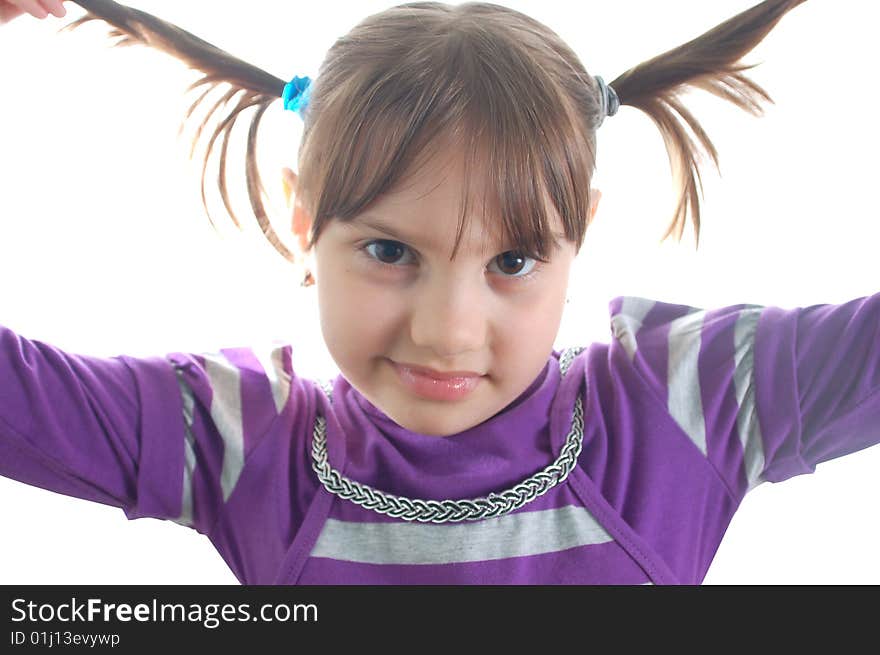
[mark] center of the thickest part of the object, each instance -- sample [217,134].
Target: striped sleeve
[161,437]
[764,393]
[230,399]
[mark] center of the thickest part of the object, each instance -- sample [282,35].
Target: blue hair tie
[609,102]
[296,94]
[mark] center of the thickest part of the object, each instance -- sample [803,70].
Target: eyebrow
[380,226]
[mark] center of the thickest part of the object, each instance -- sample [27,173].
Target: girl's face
[396,297]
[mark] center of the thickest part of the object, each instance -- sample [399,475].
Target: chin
[418,425]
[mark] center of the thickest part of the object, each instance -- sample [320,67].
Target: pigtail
[709,62]
[253,86]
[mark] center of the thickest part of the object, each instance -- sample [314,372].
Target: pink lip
[438,375]
[455,385]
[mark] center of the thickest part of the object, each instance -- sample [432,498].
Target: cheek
[532,320]
[535,322]
[547,300]
[357,318]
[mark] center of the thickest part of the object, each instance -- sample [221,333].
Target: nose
[450,317]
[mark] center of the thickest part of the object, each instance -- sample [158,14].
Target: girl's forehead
[441,180]
[433,231]
[430,230]
[442,188]
[433,198]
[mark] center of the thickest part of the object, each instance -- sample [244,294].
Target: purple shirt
[685,411]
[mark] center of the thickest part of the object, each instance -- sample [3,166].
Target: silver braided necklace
[446,511]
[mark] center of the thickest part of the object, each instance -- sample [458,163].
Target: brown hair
[490,79]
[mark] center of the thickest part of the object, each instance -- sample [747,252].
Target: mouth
[453,385]
[437,375]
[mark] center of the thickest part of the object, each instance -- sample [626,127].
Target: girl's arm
[817,372]
[161,437]
[91,428]
[764,393]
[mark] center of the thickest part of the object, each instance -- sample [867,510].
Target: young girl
[618,463]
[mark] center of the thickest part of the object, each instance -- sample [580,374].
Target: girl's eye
[514,261]
[385,251]
[386,254]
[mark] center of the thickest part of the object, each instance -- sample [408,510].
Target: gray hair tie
[608,100]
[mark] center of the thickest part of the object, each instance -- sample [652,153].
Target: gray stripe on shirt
[626,324]
[512,535]
[271,359]
[225,379]
[685,399]
[747,425]
[189,457]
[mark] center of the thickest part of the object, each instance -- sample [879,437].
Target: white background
[105,249]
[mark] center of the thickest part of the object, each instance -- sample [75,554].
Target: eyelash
[386,266]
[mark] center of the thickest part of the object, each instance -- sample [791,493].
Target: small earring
[308,279]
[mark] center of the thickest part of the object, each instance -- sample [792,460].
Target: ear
[301,222]
[595,197]
[288,183]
